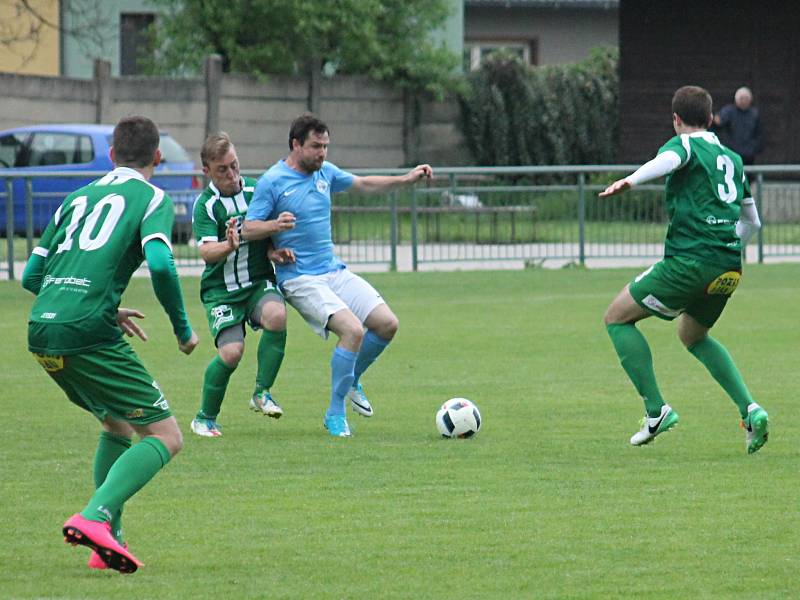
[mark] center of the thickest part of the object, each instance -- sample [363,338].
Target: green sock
[215,382]
[270,357]
[128,475]
[722,368]
[109,449]
[636,359]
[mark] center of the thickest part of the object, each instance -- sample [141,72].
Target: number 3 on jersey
[116,204]
[726,190]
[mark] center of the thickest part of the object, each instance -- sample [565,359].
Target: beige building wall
[30,56]
[558,36]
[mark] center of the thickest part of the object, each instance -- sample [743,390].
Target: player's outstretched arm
[664,163]
[128,326]
[168,291]
[618,187]
[371,184]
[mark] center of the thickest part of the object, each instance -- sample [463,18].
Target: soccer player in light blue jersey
[317,283]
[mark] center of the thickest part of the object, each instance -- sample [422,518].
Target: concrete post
[411,119]
[102,82]
[212,69]
[314,83]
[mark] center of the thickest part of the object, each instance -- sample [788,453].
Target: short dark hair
[693,105]
[304,124]
[135,142]
[215,147]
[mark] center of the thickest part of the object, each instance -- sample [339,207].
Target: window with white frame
[476,51]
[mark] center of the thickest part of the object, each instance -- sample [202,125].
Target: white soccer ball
[458,418]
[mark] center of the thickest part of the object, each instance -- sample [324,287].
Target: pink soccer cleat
[97,536]
[95,562]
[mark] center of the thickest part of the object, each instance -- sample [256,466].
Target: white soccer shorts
[318,297]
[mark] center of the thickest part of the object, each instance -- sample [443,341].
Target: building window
[134,41]
[476,51]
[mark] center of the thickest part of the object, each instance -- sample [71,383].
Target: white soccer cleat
[206,428]
[358,400]
[652,426]
[266,405]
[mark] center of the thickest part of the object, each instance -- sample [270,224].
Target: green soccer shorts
[109,382]
[679,284]
[222,313]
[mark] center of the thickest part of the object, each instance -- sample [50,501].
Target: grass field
[548,501]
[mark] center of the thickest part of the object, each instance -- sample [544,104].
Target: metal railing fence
[464,215]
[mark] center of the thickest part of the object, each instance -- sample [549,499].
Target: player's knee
[353,334]
[274,318]
[231,354]
[389,328]
[173,441]
[690,338]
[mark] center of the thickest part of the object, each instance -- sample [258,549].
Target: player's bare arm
[128,326]
[258,230]
[371,184]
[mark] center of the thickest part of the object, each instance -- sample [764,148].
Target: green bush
[514,114]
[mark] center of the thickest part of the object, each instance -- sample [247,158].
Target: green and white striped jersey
[704,198]
[230,279]
[91,247]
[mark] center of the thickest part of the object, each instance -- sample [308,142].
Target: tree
[23,23]
[386,40]
[514,114]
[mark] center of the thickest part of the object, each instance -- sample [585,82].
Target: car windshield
[11,148]
[172,152]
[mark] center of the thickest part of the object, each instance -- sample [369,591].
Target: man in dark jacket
[740,125]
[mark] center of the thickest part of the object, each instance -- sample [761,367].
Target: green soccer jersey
[91,247]
[230,279]
[704,197]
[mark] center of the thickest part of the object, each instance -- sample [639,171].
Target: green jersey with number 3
[704,196]
[91,247]
[232,278]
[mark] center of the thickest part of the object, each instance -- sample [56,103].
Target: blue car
[77,148]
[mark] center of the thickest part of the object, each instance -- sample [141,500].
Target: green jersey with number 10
[91,247]
[704,197]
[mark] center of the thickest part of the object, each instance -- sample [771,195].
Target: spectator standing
[740,124]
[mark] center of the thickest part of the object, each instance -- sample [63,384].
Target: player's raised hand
[232,233]
[281,256]
[419,172]
[285,221]
[188,346]
[129,327]
[619,186]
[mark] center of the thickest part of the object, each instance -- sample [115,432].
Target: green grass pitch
[548,501]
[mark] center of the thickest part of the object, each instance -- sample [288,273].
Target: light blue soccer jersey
[308,198]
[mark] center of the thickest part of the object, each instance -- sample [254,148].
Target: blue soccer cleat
[337,425]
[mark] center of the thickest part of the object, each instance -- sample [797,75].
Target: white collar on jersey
[128,172]
[217,192]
